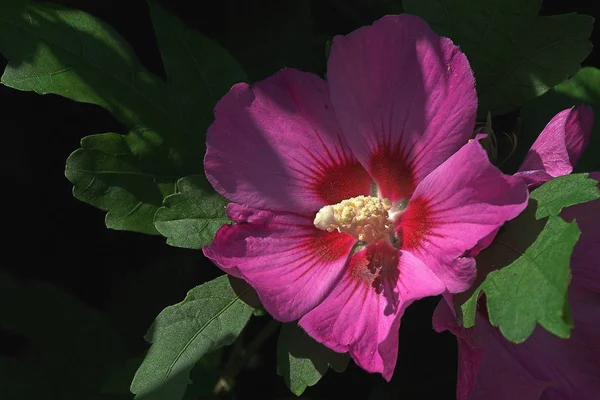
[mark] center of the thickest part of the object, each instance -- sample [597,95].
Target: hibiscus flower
[544,366]
[353,197]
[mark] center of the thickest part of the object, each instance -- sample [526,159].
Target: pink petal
[453,208]
[277,146]
[469,357]
[544,366]
[291,264]
[586,254]
[404,97]
[362,314]
[486,371]
[559,146]
[561,369]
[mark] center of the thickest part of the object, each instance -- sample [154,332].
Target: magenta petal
[469,357]
[362,314]
[277,146]
[559,146]
[544,367]
[486,370]
[405,99]
[455,207]
[585,260]
[291,264]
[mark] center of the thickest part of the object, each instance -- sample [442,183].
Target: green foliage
[150,180]
[203,377]
[515,54]
[533,288]
[54,49]
[564,191]
[527,266]
[107,174]
[583,88]
[211,316]
[138,297]
[302,361]
[192,216]
[199,73]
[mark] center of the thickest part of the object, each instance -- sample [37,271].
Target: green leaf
[204,376]
[211,316]
[532,286]
[515,54]
[527,279]
[302,361]
[564,191]
[54,49]
[121,174]
[66,342]
[584,87]
[199,70]
[192,216]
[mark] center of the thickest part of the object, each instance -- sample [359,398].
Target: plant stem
[238,361]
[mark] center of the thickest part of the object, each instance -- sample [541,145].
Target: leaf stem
[240,359]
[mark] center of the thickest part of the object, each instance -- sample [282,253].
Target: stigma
[364,217]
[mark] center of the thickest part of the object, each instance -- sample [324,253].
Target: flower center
[364,217]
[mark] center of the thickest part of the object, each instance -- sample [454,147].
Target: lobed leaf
[531,289]
[192,216]
[564,191]
[107,174]
[57,50]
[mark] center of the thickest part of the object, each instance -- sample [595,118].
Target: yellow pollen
[364,217]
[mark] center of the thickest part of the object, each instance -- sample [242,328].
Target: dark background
[50,236]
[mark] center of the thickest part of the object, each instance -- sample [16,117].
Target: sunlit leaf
[211,316]
[528,266]
[203,377]
[564,191]
[54,49]
[107,174]
[192,216]
[533,288]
